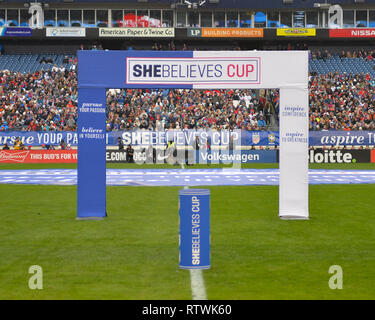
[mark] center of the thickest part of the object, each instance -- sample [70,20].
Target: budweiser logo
[14,156]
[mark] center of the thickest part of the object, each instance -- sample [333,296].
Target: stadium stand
[38,71]
[348,65]
[342,92]
[30,63]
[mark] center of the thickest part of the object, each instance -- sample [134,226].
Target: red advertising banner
[352,33]
[38,156]
[372,155]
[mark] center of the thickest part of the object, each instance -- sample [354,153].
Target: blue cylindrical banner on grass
[194,212]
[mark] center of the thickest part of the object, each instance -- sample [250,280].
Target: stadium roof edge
[240,4]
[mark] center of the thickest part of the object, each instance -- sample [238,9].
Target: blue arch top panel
[107,69]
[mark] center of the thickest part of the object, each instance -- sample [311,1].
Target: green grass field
[133,253]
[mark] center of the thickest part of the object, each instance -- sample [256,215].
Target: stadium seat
[30,62]
[348,65]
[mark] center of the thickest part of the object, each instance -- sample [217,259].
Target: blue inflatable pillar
[194,213]
[91,184]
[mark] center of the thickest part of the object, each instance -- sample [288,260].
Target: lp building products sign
[194,32]
[225,32]
[232,33]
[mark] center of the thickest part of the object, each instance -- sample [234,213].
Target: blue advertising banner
[16,32]
[342,138]
[91,183]
[179,137]
[238,156]
[38,138]
[194,214]
[259,138]
[248,138]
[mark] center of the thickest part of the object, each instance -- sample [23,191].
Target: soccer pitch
[133,253]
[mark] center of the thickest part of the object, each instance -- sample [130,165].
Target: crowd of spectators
[342,102]
[47,100]
[368,55]
[42,101]
[190,109]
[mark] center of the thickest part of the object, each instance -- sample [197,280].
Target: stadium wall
[39,43]
[203,34]
[244,156]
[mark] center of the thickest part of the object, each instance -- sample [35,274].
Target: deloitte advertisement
[339,156]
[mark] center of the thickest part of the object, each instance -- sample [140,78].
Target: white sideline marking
[198,290]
